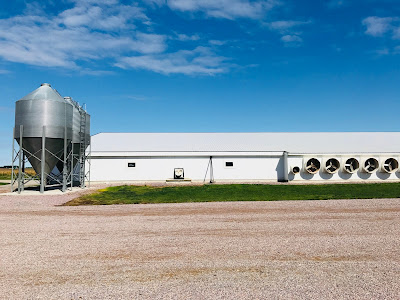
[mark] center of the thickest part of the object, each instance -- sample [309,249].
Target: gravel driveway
[341,249]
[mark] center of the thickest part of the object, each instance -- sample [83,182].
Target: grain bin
[43,116]
[80,135]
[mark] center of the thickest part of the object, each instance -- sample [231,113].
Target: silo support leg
[42,162]
[65,166]
[21,131]
[23,171]
[12,162]
[72,166]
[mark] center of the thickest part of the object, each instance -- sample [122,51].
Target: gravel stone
[331,249]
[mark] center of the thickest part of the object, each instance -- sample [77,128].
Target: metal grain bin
[43,107]
[76,120]
[87,130]
[79,115]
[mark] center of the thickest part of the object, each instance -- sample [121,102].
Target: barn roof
[295,142]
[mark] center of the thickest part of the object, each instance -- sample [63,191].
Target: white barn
[253,157]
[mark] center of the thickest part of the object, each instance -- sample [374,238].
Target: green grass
[236,192]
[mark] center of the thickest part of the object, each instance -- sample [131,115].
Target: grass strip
[129,194]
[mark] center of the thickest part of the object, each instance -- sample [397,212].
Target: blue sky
[207,65]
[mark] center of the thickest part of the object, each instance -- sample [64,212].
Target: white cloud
[184,37]
[95,72]
[103,17]
[43,42]
[200,61]
[149,43]
[289,31]
[291,40]
[384,51]
[387,51]
[384,28]
[377,26]
[91,2]
[285,26]
[396,33]
[227,9]
[217,42]
[75,34]
[94,30]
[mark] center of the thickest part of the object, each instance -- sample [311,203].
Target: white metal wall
[162,168]
[244,168]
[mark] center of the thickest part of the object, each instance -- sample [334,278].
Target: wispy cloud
[227,9]
[61,40]
[384,51]
[199,61]
[385,28]
[217,42]
[396,33]
[289,30]
[378,27]
[96,31]
[115,17]
[291,40]
[90,36]
[285,26]
[96,72]
[387,51]
[4,71]
[184,37]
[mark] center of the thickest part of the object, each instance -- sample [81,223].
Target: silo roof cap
[44,92]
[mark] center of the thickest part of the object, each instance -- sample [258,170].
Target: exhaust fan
[312,165]
[390,165]
[351,165]
[295,170]
[332,165]
[178,173]
[370,165]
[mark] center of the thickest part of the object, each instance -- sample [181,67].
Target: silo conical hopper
[43,107]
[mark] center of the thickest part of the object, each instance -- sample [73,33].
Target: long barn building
[241,157]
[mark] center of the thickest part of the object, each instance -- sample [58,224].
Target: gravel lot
[341,249]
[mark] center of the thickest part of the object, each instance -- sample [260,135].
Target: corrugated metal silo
[80,129]
[43,113]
